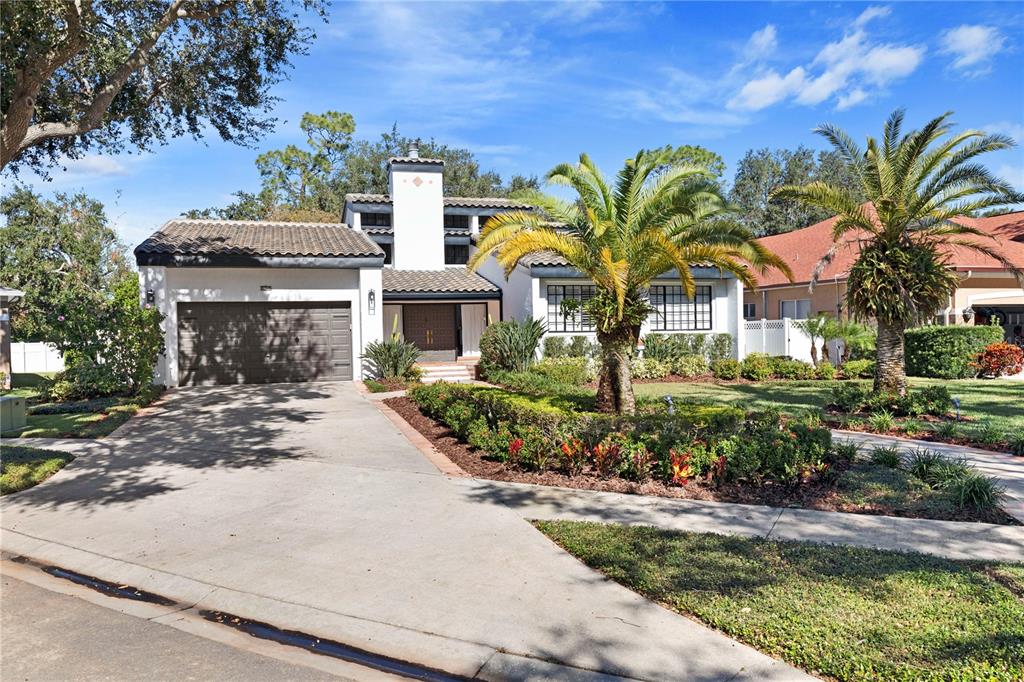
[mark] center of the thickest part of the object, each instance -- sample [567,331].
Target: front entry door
[431,328]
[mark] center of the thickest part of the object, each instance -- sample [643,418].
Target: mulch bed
[818,495]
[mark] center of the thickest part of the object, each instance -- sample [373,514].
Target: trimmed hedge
[715,442]
[946,352]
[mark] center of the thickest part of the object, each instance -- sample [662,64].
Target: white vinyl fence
[29,358]
[784,337]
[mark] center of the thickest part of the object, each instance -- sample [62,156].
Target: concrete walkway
[304,506]
[950,539]
[1007,468]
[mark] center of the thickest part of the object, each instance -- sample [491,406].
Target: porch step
[454,372]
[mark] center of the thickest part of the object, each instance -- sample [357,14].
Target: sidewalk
[1003,466]
[949,539]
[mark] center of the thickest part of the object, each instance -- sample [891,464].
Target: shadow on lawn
[226,427]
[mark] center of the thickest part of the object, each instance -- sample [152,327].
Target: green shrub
[575,347]
[882,421]
[948,430]
[976,491]
[756,367]
[825,370]
[769,449]
[853,369]
[689,366]
[727,369]
[671,347]
[887,456]
[649,368]
[555,347]
[988,434]
[1016,444]
[391,360]
[933,400]
[720,347]
[946,352]
[845,452]
[510,346]
[850,397]
[573,371]
[787,368]
[926,465]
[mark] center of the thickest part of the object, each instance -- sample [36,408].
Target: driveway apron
[288,500]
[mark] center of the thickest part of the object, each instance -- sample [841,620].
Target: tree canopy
[103,74]
[309,183]
[763,171]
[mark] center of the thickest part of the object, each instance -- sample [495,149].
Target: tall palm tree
[917,185]
[653,220]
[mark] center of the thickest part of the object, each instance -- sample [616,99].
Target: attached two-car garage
[246,343]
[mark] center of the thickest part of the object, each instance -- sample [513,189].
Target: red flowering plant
[574,455]
[999,359]
[607,455]
[682,471]
[514,447]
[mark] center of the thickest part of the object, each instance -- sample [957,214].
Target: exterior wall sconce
[371,302]
[968,314]
[150,297]
[265,288]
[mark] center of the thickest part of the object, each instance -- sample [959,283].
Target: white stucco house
[253,302]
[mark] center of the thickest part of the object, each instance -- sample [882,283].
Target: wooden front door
[431,328]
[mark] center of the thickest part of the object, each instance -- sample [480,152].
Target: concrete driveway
[303,506]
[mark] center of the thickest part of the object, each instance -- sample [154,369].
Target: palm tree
[816,328]
[655,219]
[916,184]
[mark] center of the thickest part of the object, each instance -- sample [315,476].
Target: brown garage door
[253,343]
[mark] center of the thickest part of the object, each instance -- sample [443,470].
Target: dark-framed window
[375,219]
[674,311]
[456,254]
[580,321]
[387,253]
[749,311]
[456,222]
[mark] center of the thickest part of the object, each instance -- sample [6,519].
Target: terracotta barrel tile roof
[258,238]
[803,249]
[451,280]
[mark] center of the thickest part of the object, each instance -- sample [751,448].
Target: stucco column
[5,346]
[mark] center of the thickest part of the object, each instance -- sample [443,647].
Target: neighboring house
[263,301]
[987,289]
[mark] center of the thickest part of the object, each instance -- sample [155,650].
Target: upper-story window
[375,219]
[456,254]
[388,250]
[456,222]
[749,311]
[580,321]
[675,311]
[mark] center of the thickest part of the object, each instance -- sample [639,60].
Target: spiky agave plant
[917,185]
[657,217]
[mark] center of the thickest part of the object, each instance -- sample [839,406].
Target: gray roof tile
[258,238]
[450,280]
[416,159]
[451,202]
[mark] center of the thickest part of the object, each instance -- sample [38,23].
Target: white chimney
[416,186]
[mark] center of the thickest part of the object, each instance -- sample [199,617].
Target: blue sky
[528,85]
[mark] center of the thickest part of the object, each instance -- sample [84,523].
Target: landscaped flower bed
[699,451]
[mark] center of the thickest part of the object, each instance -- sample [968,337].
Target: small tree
[816,329]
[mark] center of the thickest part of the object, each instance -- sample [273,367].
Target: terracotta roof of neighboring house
[416,159]
[449,280]
[803,249]
[452,202]
[258,238]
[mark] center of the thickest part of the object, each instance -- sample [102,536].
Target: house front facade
[261,301]
[987,291]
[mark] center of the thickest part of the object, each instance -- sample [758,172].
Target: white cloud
[769,89]
[972,47]
[89,169]
[1014,130]
[847,71]
[1013,174]
[873,12]
[762,43]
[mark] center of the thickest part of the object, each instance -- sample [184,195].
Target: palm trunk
[615,384]
[814,353]
[890,371]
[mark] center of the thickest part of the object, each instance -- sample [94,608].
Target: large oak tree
[102,74]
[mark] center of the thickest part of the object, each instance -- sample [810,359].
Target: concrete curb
[472,660]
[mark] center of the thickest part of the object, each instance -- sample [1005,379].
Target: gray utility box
[12,413]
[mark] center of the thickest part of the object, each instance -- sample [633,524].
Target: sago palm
[655,219]
[917,185]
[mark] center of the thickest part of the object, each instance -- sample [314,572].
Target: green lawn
[847,613]
[999,400]
[22,467]
[80,419]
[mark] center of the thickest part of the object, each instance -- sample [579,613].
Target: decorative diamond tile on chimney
[416,186]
